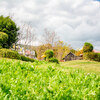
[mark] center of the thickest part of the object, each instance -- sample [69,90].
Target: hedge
[7,53]
[91,56]
[53,60]
[27,58]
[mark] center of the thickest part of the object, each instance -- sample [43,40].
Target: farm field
[72,80]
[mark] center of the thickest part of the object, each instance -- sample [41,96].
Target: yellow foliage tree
[79,52]
[41,49]
[61,49]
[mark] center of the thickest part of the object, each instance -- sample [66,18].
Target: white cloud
[76,21]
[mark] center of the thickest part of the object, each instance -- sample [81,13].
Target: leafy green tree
[10,28]
[49,54]
[88,47]
[3,38]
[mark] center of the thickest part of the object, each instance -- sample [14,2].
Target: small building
[71,56]
[30,54]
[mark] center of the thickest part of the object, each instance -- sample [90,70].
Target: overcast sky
[75,21]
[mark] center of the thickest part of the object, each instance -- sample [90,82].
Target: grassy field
[73,80]
[88,66]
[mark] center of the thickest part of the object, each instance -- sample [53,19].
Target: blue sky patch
[97,0]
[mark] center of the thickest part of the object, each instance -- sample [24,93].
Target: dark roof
[69,53]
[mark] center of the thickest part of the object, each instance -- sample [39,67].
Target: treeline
[60,50]
[11,34]
[88,52]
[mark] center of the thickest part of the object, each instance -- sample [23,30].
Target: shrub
[7,53]
[88,47]
[49,54]
[91,56]
[53,60]
[98,56]
[26,58]
[0,46]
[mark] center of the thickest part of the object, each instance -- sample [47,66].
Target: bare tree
[50,37]
[27,35]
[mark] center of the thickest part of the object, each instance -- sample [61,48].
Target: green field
[73,80]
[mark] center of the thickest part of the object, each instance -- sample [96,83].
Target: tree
[78,52]
[61,49]
[50,37]
[3,38]
[49,54]
[41,49]
[8,26]
[27,36]
[73,51]
[88,47]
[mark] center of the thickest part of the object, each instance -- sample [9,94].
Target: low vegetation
[91,56]
[50,56]
[53,60]
[23,58]
[86,65]
[42,80]
[7,53]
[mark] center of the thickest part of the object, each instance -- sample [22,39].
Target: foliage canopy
[88,47]
[3,38]
[9,27]
[49,53]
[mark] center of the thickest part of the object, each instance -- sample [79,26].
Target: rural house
[71,56]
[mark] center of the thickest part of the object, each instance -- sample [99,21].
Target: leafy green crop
[27,81]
